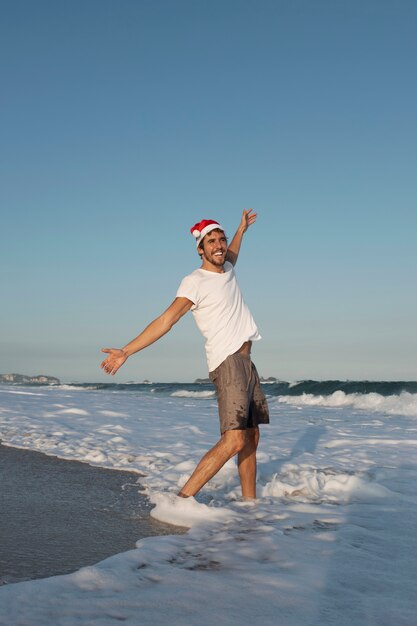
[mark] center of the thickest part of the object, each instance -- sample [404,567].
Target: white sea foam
[75,387]
[331,539]
[185,393]
[73,411]
[403,404]
[113,413]
[17,392]
[323,485]
[187,512]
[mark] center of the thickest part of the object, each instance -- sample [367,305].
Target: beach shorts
[241,401]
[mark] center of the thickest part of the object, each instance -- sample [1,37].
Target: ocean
[330,539]
[272,388]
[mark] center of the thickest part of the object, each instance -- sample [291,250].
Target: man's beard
[214,260]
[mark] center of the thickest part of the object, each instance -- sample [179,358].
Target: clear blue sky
[125,122]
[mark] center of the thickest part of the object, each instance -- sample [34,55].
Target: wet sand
[57,516]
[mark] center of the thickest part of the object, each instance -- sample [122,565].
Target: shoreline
[70,514]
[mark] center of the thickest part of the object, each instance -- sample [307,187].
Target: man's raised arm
[248,218]
[154,331]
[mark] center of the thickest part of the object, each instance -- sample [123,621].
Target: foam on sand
[331,539]
[324,485]
[187,512]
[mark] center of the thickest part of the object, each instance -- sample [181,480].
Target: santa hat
[201,229]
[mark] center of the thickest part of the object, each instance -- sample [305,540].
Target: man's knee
[237,440]
[252,439]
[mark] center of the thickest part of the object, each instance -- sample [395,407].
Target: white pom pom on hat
[201,229]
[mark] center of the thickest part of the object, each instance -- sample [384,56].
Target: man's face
[214,248]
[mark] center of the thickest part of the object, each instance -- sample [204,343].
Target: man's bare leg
[246,463]
[230,443]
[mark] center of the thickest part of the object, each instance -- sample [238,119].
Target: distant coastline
[199,388]
[40,379]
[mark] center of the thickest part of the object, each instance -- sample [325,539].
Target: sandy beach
[331,538]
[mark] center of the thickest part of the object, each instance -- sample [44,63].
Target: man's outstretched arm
[248,218]
[154,331]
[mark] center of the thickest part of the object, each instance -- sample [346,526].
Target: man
[213,295]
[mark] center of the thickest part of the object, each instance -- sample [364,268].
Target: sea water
[330,539]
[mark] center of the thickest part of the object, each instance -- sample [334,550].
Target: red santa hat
[201,229]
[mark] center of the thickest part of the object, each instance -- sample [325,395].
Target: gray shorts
[242,403]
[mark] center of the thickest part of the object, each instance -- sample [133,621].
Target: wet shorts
[242,403]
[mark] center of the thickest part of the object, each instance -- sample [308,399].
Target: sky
[125,122]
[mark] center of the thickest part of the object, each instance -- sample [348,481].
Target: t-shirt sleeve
[188,289]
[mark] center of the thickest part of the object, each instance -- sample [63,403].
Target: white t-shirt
[220,312]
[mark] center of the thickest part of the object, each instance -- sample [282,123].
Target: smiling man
[213,295]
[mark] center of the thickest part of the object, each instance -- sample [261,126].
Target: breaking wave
[184,393]
[403,404]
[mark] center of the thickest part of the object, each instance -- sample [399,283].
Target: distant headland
[41,379]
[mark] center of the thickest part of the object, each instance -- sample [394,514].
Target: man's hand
[114,361]
[248,218]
